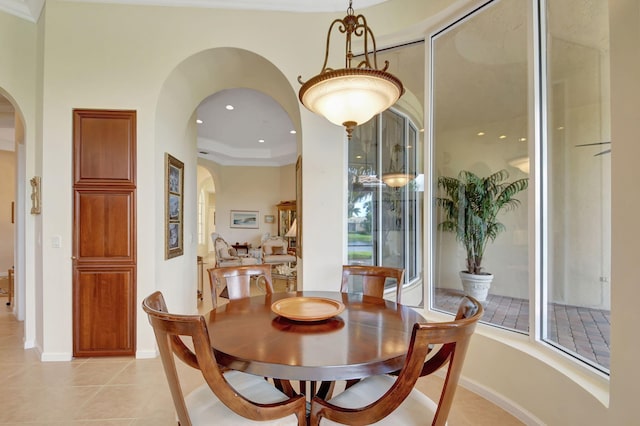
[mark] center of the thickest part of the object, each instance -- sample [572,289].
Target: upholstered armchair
[227,255]
[275,250]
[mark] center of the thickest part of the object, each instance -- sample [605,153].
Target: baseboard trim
[55,356]
[146,354]
[517,411]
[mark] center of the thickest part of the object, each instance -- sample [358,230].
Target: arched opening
[12,198]
[192,81]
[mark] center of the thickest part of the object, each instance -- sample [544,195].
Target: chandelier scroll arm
[351,96]
[342,29]
[366,32]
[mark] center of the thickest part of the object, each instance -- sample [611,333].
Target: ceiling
[255,133]
[229,137]
[232,137]
[30,9]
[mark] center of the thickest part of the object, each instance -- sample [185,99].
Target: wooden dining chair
[237,285]
[229,398]
[236,281]
[373,279]
[391,400]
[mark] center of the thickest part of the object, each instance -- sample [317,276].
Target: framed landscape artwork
[244,219]
[173,216]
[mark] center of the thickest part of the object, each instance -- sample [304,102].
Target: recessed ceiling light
[293,132]
[261,140]
[199,121]
[421,130]
[522,139]
[502,136]
[229,107]
[358,156]
[480,133]
[560,127]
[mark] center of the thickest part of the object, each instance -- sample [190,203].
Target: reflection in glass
[385,219]
[481,124]
[576,312]
[482,108]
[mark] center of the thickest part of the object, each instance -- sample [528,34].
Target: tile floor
[126,391]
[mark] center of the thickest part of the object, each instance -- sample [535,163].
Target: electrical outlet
[604,279]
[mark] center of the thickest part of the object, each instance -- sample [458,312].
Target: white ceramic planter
[476,286]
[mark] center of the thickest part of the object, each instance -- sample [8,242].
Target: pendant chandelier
[351,95]
[396,177]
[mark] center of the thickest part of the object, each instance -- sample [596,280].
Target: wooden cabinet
[104,233]
[286,216]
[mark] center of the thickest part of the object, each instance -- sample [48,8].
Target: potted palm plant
[471,205]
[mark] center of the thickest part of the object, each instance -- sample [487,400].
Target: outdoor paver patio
[584,331]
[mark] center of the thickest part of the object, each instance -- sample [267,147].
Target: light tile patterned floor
[126,391]
[582,330]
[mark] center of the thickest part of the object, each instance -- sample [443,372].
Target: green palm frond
[471,205]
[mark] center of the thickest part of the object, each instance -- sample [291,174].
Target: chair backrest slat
[168,329]
[373,279]
[237,280]
[442,344]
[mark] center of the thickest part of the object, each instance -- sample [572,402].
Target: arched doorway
[193,80]
[12,195]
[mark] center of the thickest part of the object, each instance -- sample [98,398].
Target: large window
[385,216]
[520,96]
[482,125]
[577,196]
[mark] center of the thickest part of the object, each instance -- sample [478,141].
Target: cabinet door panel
[104,142]
[105,223]
[104,233]
[101,320]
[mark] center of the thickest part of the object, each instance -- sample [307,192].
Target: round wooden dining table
[369,337]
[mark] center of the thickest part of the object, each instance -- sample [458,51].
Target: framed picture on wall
[174,199]
[269,218]
[244,219]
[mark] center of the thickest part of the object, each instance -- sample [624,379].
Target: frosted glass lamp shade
[396,180]
[349,97]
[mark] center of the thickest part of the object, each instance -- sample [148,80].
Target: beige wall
[625,128]
[18,83]
[7,197]
[144,62]
[249,188]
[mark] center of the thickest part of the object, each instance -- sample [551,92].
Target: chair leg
[285,387]
[325,391]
